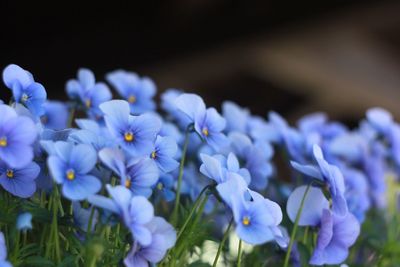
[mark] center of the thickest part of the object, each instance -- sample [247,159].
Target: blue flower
[163,238]
[25,90]
[82,216]
[256,158]
[216,167]
[137,174]
[24,221]
[19,181]
[335,236]
[331,176]
[135,134]
[17,134]
[135,211]
[70,165]
[164,152]
[55,115]
[165,186]
[3,252]
[380,119]
[87,92]
[139,92]
[208,123]
[237,118]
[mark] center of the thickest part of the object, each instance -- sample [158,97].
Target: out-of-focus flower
[3,252]
[82,216]
[55,115]
[25,90]
[139,92]
[24,221]
[17,134]
[88,93]
[163,154]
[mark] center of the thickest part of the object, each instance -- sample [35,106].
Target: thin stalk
[221,245]
[71,117]
[194,208]
[296,222]
[89,226]
[305,236]
[239,258]
[179,184]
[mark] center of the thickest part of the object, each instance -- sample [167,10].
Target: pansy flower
[55,115]
[137,174]
[208,123]
[70,166]
[165,187]
[331,176]
[135,211]
[3,252]
[19,181]
[163,238]
[24,221]
[17,134]
[163,154]
[139,92]
[25,90]
[135,134]
[88,93]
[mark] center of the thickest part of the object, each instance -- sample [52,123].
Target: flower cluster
[113,182]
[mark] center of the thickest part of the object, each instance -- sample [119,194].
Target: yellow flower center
[205,131]
[128,136]
[160,186]
[153,155]
[24,98]
[10,173]
[70,175]
[3,141]
[88,103]
[128,183]
[131,99]
[246,221]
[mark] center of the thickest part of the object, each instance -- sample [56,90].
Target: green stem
[305,237]
[296,222]
[71,117]
[178,187]
[221,245]
[194,208]
[89,226]
[56,205]
[239,258]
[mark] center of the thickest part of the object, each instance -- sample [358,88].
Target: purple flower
[3,252]
[88,93]
[137,174]
[70,165]
[135,211]
[19,181]
[331,176]
[208,123]
[17,134]
[135,134]
[55,115]
[335,236]
[25,90]
[139,92]
[163,154]
[163,238]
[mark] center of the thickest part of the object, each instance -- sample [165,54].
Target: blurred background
[294,57]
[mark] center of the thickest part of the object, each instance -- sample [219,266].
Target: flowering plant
[102,182]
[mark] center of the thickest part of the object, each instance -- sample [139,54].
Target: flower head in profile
[135,211]
[17,134]
[87,92]
[208,123]
[55,115]
[70,166]
[331,176]
[24,221]
[24,88]
[135,134]
[137,174]
[139,92]
[163,238]
[163,154]
[3,252]
[19,182]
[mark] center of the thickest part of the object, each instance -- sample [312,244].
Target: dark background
[52,40]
